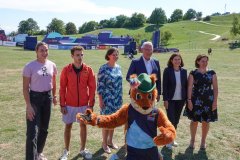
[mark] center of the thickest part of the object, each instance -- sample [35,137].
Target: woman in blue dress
[109,88]
[202,99]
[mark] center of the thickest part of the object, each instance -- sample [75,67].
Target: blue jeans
[37,130]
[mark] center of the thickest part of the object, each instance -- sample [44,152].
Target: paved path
[213,39]
[208,23]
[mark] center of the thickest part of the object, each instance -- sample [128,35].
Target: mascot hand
[134,83]
[163,138]
[88,118]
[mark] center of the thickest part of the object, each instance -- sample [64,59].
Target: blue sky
[80,11]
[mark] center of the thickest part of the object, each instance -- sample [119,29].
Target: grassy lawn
[223,139]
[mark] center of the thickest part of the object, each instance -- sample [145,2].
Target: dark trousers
[174,111]
[142,154]
[37,129]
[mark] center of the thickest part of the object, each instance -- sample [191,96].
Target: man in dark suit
[146,64]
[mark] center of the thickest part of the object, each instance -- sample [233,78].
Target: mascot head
[143,96]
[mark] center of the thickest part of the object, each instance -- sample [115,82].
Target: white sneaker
[64,155]
[169,146]
[41,157]
[86,154]
[175,144]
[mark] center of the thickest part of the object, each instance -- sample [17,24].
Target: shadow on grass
[98,155]
[152,28]
[133,28]
[76,157]
[167,153]
[189,155]
[122,153]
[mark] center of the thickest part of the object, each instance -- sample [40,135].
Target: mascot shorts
[142,154]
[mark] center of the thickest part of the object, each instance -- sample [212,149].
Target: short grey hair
[147,43]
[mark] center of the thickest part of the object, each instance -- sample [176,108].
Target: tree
[190,14]
[28,26]
[235,30]
[111,23]
[23,27]
[137,20]
[41,32]
[165,37]
[70,28]
[199,15]
[103,23]
[120,21]
[158,16]
[82,28]
[12,34]
[56,26]
[128,23]
[88,26]
[176,16]
[207,18]
[216,14]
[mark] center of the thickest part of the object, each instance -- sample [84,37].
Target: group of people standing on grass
[199,91]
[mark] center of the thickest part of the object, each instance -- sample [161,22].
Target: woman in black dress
[202,99]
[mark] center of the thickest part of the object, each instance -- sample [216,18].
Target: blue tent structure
[156,44]
[20,39]
[30,43]
[100,41]
[52,38]
[53,35]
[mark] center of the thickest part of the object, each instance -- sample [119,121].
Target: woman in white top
[174,89]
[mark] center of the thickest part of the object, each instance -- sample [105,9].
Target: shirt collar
[147,61]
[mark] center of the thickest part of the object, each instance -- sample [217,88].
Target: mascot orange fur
[142,120]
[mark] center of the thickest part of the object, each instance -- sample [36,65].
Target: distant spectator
[209,51]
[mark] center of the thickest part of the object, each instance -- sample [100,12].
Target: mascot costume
[141,118]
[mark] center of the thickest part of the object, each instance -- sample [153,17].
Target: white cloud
[63,6]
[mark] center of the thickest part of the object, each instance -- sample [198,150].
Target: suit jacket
[169,83]
[138,66]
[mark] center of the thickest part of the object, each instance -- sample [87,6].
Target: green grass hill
[186,34]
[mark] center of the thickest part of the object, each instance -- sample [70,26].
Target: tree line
[157,17]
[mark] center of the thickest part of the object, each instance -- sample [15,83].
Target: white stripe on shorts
[70,117]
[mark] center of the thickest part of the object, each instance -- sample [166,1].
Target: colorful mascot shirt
[141,131]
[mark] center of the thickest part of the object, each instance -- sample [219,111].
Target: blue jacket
[169,83]
[138,66]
